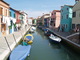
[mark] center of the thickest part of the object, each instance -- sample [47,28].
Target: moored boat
[55,38]
[20,52]
[28,38]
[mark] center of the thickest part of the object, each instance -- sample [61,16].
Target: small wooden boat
[29,38]
[30,42]
[54,38]
[20,52]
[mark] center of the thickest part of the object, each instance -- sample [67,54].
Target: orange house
[4,12]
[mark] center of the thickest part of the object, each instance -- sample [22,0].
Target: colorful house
[24,19]
[18,21]
[34,21]
[55,19]
[76,16]
[45,20]
[66,18]
[12,20]
[4,18]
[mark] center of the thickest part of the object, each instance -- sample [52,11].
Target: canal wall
[73,46]
[8,43]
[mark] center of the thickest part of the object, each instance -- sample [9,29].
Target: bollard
[7,44]
[14,39]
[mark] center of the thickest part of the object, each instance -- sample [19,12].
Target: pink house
[55,18]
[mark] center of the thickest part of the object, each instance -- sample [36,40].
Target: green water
[43,49]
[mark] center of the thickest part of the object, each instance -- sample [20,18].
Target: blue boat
[20,52]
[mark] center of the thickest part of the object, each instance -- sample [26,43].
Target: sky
[35,8]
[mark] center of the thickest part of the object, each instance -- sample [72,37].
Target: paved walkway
[8,43]
[73,38]
[64,34]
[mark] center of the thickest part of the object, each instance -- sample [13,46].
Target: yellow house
[4,12]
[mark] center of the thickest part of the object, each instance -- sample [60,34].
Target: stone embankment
[72,44]
[8,43]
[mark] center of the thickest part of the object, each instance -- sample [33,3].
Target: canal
[43,49]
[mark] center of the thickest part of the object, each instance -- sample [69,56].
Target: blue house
[12,20]
[66,18]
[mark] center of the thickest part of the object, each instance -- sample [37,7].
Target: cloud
[35,14]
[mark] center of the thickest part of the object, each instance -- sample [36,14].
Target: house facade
[76,17]
[4,18]
[18,20]
[12,26]
[25,19]
[66,18]
[55,18]
[45,20]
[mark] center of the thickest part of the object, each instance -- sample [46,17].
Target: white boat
[55,38]
[33,28]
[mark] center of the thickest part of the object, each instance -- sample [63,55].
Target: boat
[29,38]
[47,32]
[33,28]
[55,38]
[20,52]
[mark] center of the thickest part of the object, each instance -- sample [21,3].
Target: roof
[12,9]
[57,10]
[4,2]
[70,5]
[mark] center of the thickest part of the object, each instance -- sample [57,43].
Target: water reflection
[44,49]
[55,46]
[41,33]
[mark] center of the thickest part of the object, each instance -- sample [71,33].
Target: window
[6,12]
[14,15]
[74,14]
[79,14]
[55,13]
[66,25]
[52,13]
[66,16]
[73,26]
[1,20]
[62,10]
[10,13]
[1,11]
[62,17]
[67,9]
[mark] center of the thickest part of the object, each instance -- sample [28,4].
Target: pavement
[64,34]
[72,36]
[8,43]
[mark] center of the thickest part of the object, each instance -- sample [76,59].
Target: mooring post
[14,39]
[7,44]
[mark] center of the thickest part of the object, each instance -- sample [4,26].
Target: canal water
[43,49]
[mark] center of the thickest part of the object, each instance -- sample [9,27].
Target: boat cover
[29,36]
[20,52]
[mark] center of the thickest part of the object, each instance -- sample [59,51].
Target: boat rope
[7,44]
[14,39]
